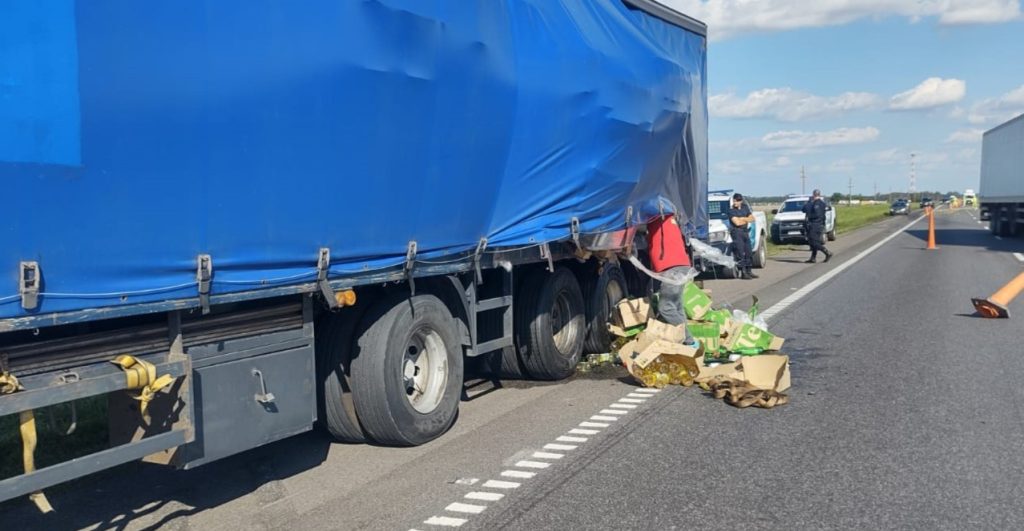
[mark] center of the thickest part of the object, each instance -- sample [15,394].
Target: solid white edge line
[546,455]
[484,496]
[594,424]
[809,288]
[566,438]
[469,508]
[521,474]
[497,484]
[446,521]
[577,431]
[1019,256]
[563,447]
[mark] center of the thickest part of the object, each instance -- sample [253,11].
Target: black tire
[334,337]
[543,356]
[831,235]
[637,282]
[760,258]
[394,330]
[602,290]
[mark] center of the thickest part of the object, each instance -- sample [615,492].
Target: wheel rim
[425,370]
[561,317]
[762,253]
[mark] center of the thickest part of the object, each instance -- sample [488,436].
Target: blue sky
[849,89]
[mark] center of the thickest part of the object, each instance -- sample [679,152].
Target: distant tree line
[838,197]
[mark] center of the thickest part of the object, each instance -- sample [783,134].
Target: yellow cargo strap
[8,385]
[28,442]
[141,375]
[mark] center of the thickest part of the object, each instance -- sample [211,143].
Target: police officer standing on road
[740,218]
[814,210]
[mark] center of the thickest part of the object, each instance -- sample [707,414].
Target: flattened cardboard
[729,370]
[769,372]
[632,312]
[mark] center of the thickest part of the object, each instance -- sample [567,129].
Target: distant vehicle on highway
[969,198]
[927,202]
[788,224]
[899,206]
[719,237]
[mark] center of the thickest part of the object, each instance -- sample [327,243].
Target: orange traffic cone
[931,228]
[995,306]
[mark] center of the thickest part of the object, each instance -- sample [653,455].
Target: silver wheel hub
[425,370]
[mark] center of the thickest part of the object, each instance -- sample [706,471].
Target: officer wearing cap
[740,218]
[814,212]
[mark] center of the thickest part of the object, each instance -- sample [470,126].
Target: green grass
[848,218]
[53,445]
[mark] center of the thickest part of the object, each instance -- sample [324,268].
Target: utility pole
[849,192]
[803,181]
[876,190]
[913,175]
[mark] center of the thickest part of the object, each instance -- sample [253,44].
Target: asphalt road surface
[905,413]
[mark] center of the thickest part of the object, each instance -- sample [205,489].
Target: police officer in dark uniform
[740,218]
[814,210]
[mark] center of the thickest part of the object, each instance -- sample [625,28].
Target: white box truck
[1002,178]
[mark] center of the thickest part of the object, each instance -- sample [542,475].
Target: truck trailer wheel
[334,337]
[407,370]
[550,324]
[602,290]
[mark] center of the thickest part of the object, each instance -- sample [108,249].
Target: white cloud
[994,111]
[807,140]
[932,92]
[726,18]
[788,105]
[783,161]
[966,136]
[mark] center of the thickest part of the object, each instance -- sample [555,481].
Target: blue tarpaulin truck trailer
[249,216]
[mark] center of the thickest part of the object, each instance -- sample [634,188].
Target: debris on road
[734,356]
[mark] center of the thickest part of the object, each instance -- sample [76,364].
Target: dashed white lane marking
[563,447]
[645,396]
[520,474]
[577,431]
[632,400]
[809,288]
[465,508]
[532,464]
[594,424]
[1019,256]
[566,438]
[546,455]
[648,390]
[485,496]
[623,406]
[446,521]
[497,484]
[604,418]
[613,412]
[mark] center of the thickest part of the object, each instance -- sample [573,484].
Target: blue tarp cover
[135,136]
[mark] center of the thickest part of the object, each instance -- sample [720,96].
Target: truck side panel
[258,132]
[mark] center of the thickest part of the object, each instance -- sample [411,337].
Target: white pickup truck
[718,233]
[788,224]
